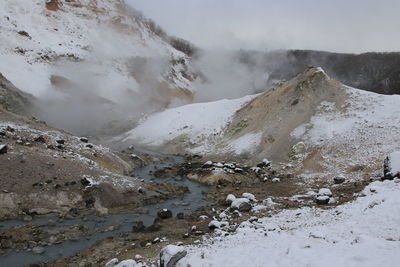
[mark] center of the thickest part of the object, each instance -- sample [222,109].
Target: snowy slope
[343,130]
[362,233]
[82,39]
[197,122]
[359,134]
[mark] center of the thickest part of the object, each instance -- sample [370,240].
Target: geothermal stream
[125,220]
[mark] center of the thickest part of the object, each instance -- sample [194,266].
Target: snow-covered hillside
[99,44]
[195,123]
[346,121]
[362,233]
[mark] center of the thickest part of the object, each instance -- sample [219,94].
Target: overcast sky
[333,25]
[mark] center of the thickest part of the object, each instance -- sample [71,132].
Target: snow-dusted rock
[170,255]
[322,200]
[203,217]
[208,164]
[276,180]
[230,165]
[216,224]
[218,165]
[138,257]
[325,192]
[230,198]
[392,166]
[264,164]
[241,204]
[112,262]
[164,214]
[256,169]
[249,196]
[128,263]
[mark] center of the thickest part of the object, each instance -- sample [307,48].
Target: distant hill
[375,72]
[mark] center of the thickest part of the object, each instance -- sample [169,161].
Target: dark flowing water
[187,203]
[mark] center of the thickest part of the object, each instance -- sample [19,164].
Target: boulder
[170,255]
[164,214]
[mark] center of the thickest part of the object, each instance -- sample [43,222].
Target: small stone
[89,146]
[339,179]
[276,180]
[164,214]
[3,149]
[84,139]
[85,182]
[180,216]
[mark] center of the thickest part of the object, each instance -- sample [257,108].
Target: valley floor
[364,232]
